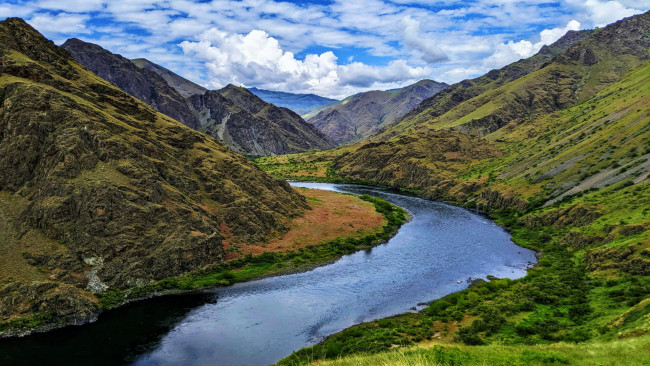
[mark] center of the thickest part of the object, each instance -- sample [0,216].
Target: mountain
[558,77]
[251,126]
[263,130]
[299,103]
[143,84]
[557,149]
[100,191]
[183,86]
[362,114]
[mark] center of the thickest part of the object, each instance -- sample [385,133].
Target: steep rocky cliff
[185,87]
[100,191]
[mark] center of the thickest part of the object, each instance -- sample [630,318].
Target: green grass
[592,282]
[634,351]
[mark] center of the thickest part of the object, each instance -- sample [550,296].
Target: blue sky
[332,48]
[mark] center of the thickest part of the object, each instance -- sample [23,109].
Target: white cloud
[62,23]
[446,40]
[72,6]
[257,59]
[601,13]
[506,53]
[414,39]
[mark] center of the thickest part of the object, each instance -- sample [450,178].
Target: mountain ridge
[301,104]
[360,115]
[248,133]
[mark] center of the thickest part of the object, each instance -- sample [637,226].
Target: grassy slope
[631,351]
[589,163]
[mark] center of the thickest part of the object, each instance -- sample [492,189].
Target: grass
[592,281]
[632,351]
[332,215]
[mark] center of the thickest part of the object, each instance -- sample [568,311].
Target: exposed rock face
[363,114]
[143,84]
[185,87]
[299,103]
[123,194]
[253,127]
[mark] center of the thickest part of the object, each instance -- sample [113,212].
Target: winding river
[260,322]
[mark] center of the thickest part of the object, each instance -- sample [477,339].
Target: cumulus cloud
[257,59]
[414,39]
[511,51]
[446,40]
[602,13]
[61,23]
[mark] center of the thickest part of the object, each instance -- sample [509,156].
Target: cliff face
[98,190]
[363,114]
[253,127]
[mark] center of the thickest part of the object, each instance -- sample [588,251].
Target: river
[260,322]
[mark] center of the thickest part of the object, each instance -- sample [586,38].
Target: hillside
[565,169]
[251,126]
[99,191]
[183,86]
[262,130]
[143,84]
[299,103]
[362,114]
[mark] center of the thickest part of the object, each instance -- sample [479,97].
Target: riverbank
[589,284]
[287,254]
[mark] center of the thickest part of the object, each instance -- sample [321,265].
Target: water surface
[260,322]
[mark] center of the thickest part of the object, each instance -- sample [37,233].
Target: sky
[332,48]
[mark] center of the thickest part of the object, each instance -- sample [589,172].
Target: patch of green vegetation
[250,267]
[32,321]
[634,351]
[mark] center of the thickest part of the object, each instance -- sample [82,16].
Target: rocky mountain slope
[262,130]
[183,86]
[99,191]
[143,84]
[251,126]
[362,114]
[299,103]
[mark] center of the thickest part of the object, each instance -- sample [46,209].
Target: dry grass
[332,215]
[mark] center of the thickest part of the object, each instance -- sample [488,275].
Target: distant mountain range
[363,114]
[233,115]
[299,103]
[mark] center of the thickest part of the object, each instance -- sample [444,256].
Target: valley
[499,219]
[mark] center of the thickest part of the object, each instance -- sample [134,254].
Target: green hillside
[568,179]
